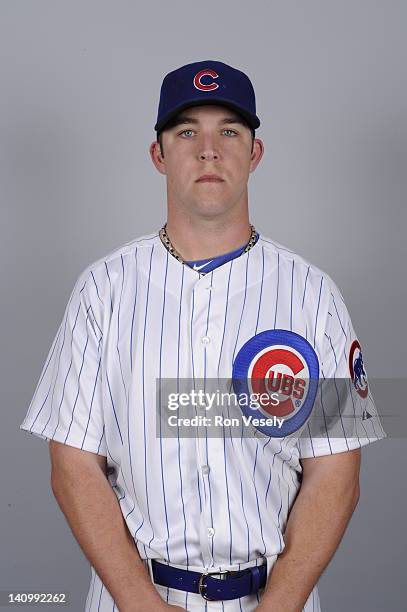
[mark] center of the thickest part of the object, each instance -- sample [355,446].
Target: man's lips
[210,178]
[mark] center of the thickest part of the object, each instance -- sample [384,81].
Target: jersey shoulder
[302,266]
[103,271]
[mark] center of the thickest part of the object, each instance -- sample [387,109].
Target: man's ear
[157,158]
[257,153]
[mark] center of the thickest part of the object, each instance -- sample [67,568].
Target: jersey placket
[203,348]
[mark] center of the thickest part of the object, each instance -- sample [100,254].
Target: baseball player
[177,513]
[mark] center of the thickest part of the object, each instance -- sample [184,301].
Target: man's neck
[207,238]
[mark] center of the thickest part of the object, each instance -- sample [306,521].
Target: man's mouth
[210,178]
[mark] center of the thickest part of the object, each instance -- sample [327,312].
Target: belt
[229,585]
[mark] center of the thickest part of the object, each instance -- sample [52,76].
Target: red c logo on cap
[201,86]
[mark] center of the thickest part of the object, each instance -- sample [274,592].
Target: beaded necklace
[168,245]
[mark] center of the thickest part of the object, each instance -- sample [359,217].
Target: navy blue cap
[208,82]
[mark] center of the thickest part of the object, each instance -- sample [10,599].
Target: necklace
[168,245]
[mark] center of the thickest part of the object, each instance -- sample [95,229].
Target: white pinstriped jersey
[138,315]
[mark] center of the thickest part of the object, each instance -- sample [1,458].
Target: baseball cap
[206,82]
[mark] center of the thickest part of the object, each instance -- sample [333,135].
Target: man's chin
[210,208]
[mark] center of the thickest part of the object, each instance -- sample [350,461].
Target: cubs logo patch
[208,86]
[281,369]
[357,369]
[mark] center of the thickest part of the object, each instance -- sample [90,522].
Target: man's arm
[85,496]
[317,521]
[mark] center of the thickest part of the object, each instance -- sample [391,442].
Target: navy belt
[229,585]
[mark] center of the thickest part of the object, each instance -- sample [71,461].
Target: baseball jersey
[137,317]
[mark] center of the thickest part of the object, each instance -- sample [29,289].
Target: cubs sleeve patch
[357,370]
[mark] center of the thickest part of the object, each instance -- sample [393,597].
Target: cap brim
[252,120]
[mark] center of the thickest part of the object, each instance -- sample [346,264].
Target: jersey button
[211,532]
[205,469]
[205,340]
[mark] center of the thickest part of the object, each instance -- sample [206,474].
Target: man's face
[207,140]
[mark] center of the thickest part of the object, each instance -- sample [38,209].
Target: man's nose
[208,154]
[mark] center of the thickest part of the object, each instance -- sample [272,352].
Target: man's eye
[188,133]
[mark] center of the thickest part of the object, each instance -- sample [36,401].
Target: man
[238,518]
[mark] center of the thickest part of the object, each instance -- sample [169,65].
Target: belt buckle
[201,585]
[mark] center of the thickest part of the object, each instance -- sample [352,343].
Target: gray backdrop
[80,84]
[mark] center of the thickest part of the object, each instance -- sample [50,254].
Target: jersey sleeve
[344,416]
[67,404]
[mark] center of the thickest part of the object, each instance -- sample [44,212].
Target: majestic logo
[209,86]
[357,369]
[277,364]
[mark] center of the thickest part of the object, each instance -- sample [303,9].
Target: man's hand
[85,496]
[318,518]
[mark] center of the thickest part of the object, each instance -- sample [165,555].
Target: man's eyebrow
[185,119]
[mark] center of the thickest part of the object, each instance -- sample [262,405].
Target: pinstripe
[67,373]
[100,596]
[224,320]
[129,453]
[324,415]
[96,287]
[278,283]
[257,499]
[279,247]
[245,518]
[305,287]
[337,314]
[50,360]
[91,403]
[79,379]
[317,312]
[56,376]
[281,502]
[310,439]
[238,332]
[118,328]
[134,312]
[199,491]
[191,335]
[143,391]
[110,285]
[159,418]
[206,429]
[268,486]
[92,588]
[109,455]
[337,393]
[179,448]
[100,441]
[113,407]
[93,321]
[243,305]
[227,496]
[261,288]
[291,299]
